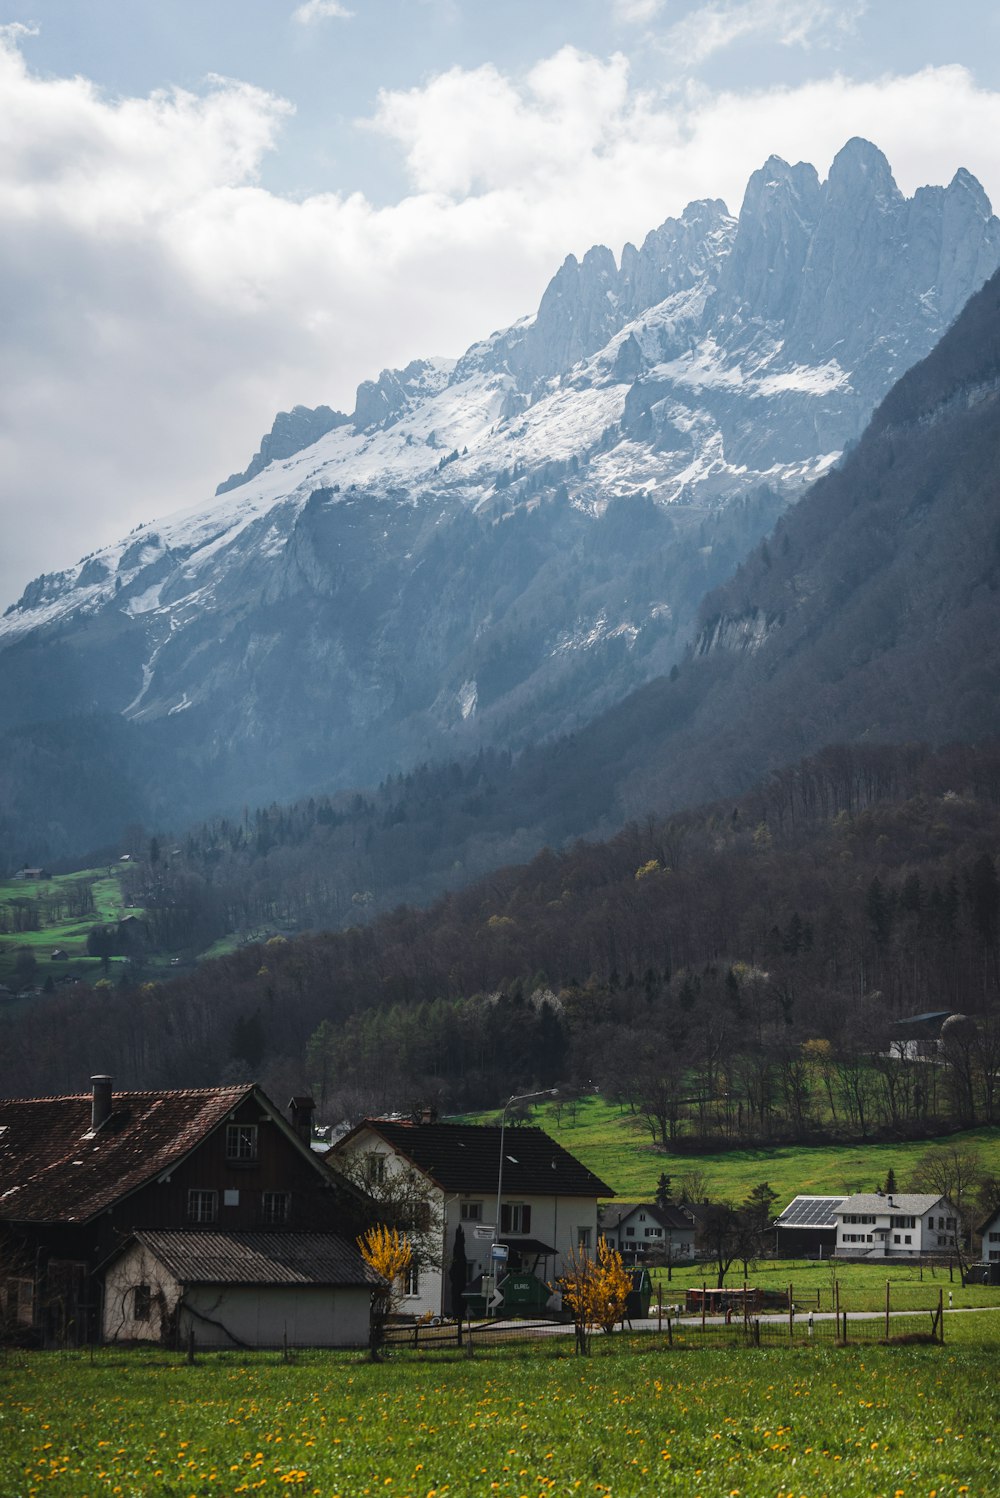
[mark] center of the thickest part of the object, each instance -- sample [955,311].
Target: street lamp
[524,1097]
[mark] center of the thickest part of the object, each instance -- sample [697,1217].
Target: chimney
[892,1203]
[301,1110]
[100,1108]
[428,1115]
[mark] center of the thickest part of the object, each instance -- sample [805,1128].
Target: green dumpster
[524,1295]
[640,1294]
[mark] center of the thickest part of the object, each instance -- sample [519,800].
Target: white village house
[642,1230]
[990,1233]
[548,1204]
[896,1224]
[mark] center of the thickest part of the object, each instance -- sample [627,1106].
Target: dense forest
[733,973]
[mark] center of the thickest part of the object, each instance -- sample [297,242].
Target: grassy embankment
[635,1419]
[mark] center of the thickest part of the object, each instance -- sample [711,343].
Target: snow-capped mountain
[496,548]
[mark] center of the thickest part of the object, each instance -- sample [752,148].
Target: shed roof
[53,1168]
[466,1157]
[199,1258]
[810,1212]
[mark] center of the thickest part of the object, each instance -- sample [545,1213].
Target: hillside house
[642,1231]
[898,1224]
[548,1206]
[81,1175]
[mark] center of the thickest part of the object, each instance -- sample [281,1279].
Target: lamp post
[524,1097]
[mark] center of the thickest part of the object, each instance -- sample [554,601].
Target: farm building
[239,1290]
[80,1175]
[807,1228]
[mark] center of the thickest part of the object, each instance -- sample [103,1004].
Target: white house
[548,1204]
[990,1233]
[642,1230]
[239,1290]
[897,1224]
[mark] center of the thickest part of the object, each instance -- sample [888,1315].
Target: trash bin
[637,1303]
[524,1295]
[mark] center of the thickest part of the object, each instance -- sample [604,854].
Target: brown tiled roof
[466,1157]
[200,1258]
[52,1169]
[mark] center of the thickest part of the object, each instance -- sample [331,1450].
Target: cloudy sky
[211,210]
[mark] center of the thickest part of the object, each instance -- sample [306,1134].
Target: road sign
[499,1253]
[483,1232]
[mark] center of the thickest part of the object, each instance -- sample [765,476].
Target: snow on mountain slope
[493,549]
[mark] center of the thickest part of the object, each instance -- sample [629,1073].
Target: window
[995,1237]
[202,1206]
[471,1211]
[142,1303]
[411,1279]
[241,1143]
[583,1240]
[630,1232]
[907,1238]
[515,1217]
[374,1168]
[19,1302]
[896,1238]
[275,1210]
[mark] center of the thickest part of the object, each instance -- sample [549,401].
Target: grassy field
[58,930]
[607,1141]
[862,1286]
[634,1419]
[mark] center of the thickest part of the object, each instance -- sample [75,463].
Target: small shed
[239,1290]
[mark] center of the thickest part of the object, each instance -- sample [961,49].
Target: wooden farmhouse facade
[81,1175]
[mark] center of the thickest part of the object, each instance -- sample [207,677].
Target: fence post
[845,1328]
[670,1334]
[659,1309]
[704,1301]
[190,1344]
[941,1313]
[836,1298]
[888,1285]
[791,1313]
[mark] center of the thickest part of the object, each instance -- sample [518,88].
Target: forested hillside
[736,972]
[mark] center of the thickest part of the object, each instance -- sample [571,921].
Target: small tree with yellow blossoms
[388,1252]
[596,1291]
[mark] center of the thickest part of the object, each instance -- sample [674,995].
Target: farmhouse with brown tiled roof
[79,1175]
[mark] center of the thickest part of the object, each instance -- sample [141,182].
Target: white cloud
[158,305]
[791,23]
[637,12]
[320,10]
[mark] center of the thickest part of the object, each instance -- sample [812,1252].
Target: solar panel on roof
[810,1211]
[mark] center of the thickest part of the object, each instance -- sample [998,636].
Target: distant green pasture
[607,1140]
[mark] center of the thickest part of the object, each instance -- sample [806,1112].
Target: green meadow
[611,1143]
[634,1419]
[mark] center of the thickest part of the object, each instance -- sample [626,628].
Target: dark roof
[466,1157]
[198,1258]
[53,1169]
[673,1218]
[809,1212]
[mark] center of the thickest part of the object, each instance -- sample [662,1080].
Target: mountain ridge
[496,550]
